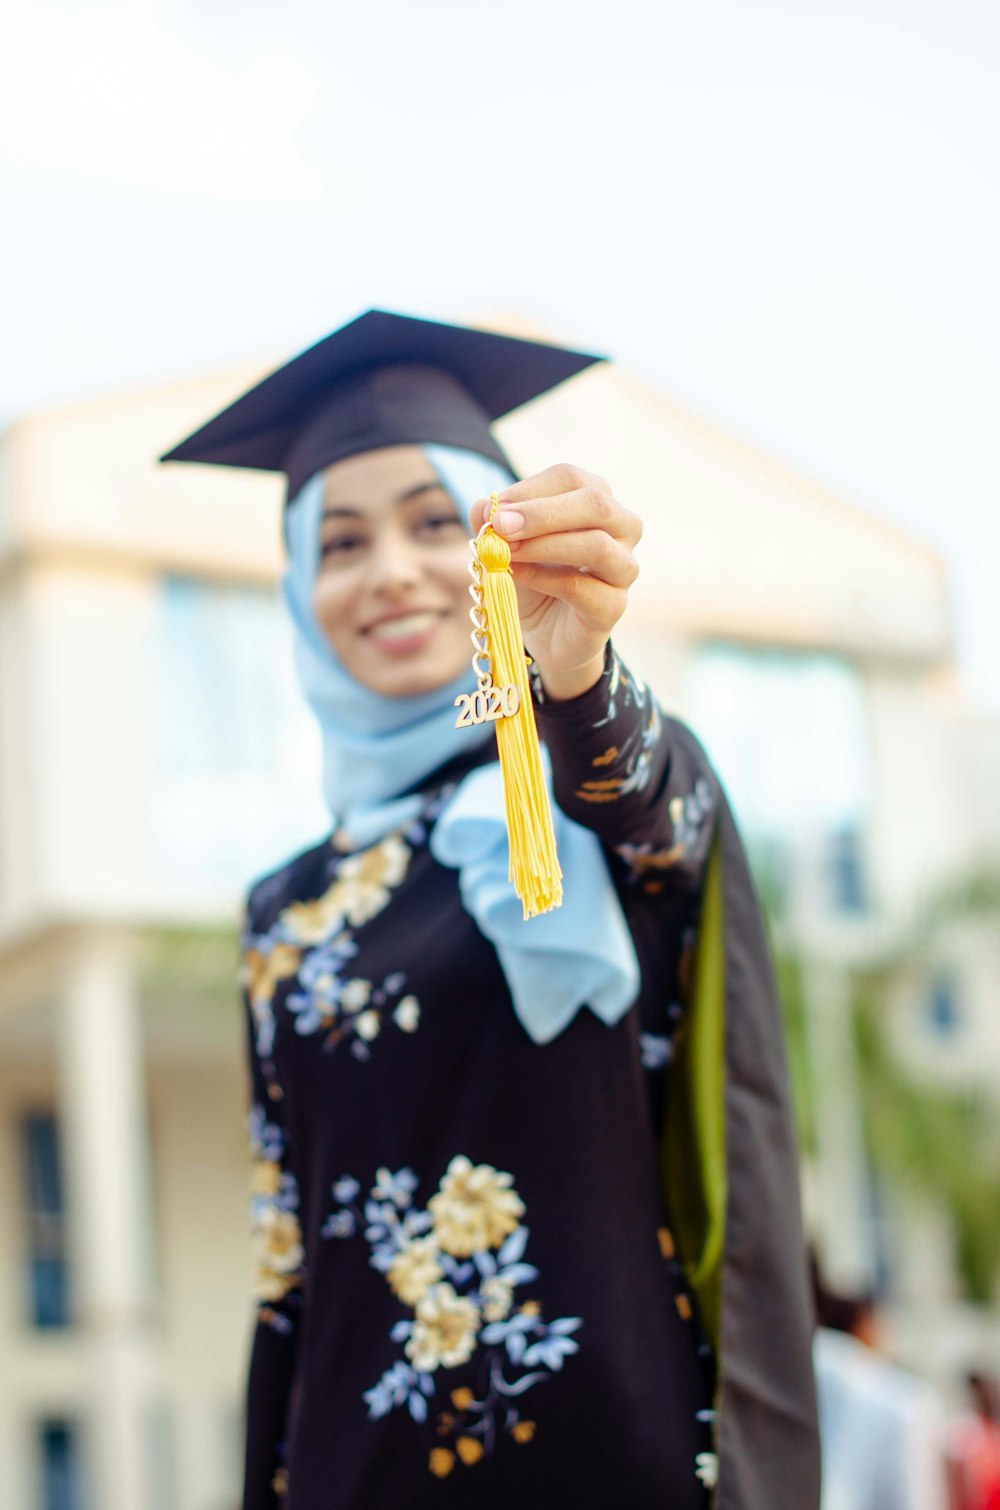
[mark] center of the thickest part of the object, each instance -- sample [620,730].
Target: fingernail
[508,522]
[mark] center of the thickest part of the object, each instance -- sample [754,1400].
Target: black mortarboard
[381,380]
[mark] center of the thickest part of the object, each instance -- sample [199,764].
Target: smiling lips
[406,631]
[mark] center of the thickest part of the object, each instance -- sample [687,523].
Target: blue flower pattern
[457,1264]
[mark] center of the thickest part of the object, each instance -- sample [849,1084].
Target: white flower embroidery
[355,995]
[496,1295]
[407,1014]
[474,1208]
[414,1269]
[444,1331]
[707,1469]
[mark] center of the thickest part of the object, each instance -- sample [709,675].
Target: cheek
[331,602]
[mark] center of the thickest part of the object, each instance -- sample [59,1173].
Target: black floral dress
[466,1286]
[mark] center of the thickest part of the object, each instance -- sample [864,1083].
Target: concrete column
[844,1231]
[105,1139]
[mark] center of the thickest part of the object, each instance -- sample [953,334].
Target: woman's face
[392,588]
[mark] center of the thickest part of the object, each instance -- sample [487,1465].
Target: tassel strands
[504,696]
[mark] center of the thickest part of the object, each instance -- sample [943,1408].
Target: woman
[498,1263]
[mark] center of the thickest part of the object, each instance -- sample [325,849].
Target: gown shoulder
[268,893]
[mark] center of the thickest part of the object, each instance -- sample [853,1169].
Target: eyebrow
[339,511]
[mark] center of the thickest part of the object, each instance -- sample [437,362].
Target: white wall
[99,822]
[924,808]
[20,793]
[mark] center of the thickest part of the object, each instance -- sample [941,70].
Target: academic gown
[494,1272]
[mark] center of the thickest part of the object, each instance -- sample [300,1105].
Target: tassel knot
[494,552]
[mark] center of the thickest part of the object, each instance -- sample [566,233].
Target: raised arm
[635,776]
[621,767]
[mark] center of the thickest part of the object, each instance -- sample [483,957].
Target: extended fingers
[604,557]
[584,508]
[562,478]
[598,602]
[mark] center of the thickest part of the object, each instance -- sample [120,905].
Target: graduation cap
[384,379]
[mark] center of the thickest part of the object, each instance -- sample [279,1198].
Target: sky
[783,213]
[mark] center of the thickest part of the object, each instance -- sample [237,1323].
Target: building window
[218,682]
[61,1467]
[848,891]
[236,753]
[943,1012]
[48,1268]
[787,732]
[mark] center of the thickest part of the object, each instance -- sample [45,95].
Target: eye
[341,545]
[439,521]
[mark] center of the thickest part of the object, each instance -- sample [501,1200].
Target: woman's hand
[572,563]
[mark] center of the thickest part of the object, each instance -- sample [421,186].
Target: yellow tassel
[534,865]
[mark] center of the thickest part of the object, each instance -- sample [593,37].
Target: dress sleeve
[634,775]
[278,1254]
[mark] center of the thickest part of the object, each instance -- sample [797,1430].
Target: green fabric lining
[693,1156]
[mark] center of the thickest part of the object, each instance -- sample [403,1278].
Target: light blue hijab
[374,747]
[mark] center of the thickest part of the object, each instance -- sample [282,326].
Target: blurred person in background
[881,1427]
[500,1260]
[974,1449]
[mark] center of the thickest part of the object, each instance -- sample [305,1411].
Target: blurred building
[155,755]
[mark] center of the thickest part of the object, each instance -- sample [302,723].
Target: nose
[393,566]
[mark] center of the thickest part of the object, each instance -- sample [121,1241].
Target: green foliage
[788,968]
[190,963]
[769,881]
[944,1143]
[941,1143]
